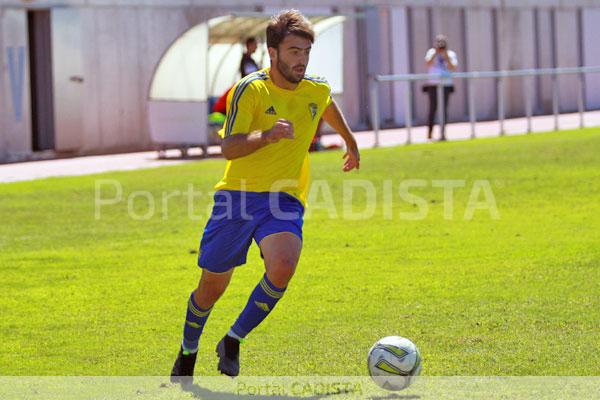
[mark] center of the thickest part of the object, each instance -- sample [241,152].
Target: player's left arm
[334,117]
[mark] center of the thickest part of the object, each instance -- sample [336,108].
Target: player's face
[291,58]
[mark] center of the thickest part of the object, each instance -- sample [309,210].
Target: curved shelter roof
[206,54]
[182,72]
[231,29]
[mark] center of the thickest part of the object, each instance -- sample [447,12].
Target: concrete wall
[15,120]
[591,54]
[516,50]
[400,61]
[105,53]
[545,58]
[567,55]
[490,36]
[481,56]
[103,60]
[116,50]
[420,41]
[351,102]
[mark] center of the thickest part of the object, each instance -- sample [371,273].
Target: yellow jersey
[256,103]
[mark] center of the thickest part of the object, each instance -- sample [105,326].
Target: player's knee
[212,293]
[282,270]
[208,292]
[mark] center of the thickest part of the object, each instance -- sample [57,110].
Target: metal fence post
[529,101]
[440,105]
[375,110]
[501,105]
[408,111]
[555,100]
[471,94]
[581,100]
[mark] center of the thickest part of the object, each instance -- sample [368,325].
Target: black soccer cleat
[183,369]
[228,351]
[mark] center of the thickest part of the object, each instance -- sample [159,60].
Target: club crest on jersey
[312,107]
[271,111]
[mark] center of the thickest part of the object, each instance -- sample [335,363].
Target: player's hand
[352,158]
[282,129]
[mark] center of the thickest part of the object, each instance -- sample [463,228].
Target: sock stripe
[196,311]
[270,292]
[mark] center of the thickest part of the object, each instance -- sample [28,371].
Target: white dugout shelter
[204,62]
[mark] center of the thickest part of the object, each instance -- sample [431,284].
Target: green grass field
[518,295]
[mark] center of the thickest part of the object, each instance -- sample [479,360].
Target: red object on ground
[221,104]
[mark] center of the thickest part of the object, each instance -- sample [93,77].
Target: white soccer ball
[394,362]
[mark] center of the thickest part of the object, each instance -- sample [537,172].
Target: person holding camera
[440,62]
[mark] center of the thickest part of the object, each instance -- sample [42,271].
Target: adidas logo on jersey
[271,111]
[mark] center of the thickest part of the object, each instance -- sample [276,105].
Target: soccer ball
[394,362]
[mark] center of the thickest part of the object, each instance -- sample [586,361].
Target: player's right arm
[240,145]
[239,138]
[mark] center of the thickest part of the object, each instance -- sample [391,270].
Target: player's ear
[272,53]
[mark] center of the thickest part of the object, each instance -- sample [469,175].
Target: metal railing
[470,77]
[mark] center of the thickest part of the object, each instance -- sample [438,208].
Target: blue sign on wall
[16,75]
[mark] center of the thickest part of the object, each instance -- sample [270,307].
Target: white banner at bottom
[298,387]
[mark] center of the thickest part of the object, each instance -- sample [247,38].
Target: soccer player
[272,116]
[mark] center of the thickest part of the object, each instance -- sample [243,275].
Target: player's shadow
[202,393]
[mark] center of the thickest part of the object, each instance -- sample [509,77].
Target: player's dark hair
[251,39]
[288,22]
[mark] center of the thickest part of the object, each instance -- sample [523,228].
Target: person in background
[248,65]
[440,62]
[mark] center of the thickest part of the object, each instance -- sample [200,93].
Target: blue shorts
[238,217]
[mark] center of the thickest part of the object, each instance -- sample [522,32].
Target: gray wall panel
[350,103]
[3,100]
[480,39]
[591,55]
[378,55]
[109,77]
[567,55]
[400,60]
[545,58]
[421,42]
[385,65]
[516,40]
[16,129]
[131,93]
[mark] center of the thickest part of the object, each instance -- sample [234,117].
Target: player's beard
[288,72]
